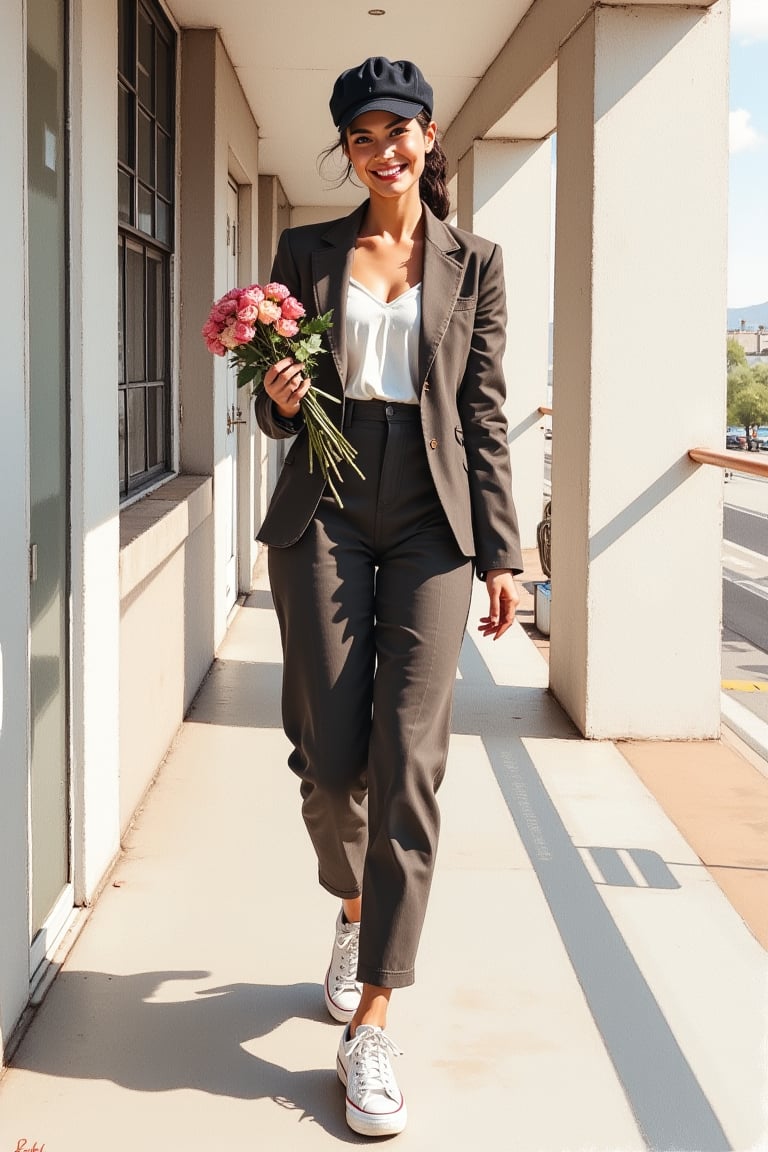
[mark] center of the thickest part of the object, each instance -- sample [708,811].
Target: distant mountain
[752,316]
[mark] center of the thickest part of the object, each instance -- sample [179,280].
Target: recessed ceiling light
[377,12]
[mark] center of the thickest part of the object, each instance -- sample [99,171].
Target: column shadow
[670,1107]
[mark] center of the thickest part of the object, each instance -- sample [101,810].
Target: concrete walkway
[583,983]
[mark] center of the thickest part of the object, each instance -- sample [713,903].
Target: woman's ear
[430,135]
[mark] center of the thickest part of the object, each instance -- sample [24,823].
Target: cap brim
[405,108]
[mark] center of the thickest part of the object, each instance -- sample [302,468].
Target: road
[745,591]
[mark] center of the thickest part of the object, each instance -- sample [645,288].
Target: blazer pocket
[465,303]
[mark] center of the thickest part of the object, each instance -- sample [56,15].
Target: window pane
[146,210]
[155,426]
[146,37]
[163,229]
[126,37]
[125,140]
[163,184]
[121,437]
[121,296]
[125,197]
[146,157]
[163,81]
[156,318]
[134,320]
[137,432]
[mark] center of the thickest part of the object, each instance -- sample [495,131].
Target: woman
[372,598]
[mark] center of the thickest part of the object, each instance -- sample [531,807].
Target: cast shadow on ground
[669,1105]
[145,1033]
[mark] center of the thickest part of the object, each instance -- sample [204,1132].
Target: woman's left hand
[503,600]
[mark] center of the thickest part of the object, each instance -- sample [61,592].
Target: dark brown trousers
[372,603]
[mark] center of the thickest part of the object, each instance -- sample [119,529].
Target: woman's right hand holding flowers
[286,386]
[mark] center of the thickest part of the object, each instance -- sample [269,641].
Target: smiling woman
[372,598]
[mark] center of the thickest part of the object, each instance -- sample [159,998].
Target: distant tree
[747,397]
[737,357]
[760,374]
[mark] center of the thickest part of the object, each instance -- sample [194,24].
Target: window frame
[149,450]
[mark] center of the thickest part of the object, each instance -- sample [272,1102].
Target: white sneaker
[375,1104]
[342,991]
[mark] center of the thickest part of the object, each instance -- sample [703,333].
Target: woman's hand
[286,386]
[503,600]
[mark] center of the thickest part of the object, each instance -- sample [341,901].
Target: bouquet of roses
[260,326]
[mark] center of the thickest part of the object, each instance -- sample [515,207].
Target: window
[145,175]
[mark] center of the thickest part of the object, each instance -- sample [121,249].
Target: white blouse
[383,345]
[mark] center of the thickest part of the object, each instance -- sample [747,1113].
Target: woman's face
[387,152]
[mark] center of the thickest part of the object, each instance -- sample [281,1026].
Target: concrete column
[504,195]
[640,261]
[14,602]
[95,467]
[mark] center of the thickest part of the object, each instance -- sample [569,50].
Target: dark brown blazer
[461,383]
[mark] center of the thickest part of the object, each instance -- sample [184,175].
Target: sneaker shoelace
[347,942]
[369,1064]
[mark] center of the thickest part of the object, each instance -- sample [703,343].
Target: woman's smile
[390,172]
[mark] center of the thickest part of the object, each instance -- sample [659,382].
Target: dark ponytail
[432,185]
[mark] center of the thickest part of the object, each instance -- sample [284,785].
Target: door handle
[234,417]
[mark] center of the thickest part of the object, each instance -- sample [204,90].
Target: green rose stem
[325,441]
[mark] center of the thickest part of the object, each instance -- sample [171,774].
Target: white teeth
[390,171]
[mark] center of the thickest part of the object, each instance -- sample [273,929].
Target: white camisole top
[383,345]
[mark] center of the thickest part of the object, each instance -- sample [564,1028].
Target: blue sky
[748,214]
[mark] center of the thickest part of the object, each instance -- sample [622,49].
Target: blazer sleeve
[268,418]
[481,409]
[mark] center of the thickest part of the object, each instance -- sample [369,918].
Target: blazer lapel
[441,281]
[331,267]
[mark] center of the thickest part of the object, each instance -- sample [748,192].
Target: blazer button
[433,443]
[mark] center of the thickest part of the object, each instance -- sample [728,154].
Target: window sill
[154,528]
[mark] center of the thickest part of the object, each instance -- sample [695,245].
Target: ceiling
[287,58]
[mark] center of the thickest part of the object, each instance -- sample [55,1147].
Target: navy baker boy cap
[383,85]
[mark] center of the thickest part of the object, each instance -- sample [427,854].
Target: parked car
[762,437]
[735,437]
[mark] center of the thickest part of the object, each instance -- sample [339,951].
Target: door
[50,887]
[233,411]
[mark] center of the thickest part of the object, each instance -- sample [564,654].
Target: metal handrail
[729,461]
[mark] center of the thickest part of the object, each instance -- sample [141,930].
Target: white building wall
[94,446]
[14,533]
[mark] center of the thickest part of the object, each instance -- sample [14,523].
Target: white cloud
[743,135]
[749,20]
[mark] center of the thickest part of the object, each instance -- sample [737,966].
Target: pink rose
[233,294]
[253,294]
[277,292]
[269,312]
[292,309]
[216,347]
[244,332]
[224,308]
[228,338]
[248,313]
[210,328]
[286,327]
